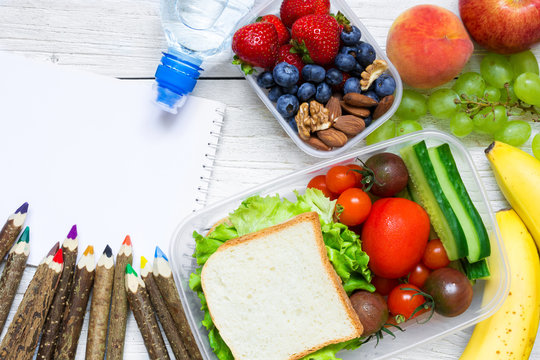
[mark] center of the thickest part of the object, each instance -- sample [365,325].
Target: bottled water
[195,30]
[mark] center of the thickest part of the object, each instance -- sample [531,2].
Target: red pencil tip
[58,257]
[127,241]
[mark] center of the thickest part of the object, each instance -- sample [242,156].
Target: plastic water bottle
[195,30]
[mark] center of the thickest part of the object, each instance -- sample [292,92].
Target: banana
[511,331]
[518,176]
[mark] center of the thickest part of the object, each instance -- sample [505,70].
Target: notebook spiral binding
[209,158]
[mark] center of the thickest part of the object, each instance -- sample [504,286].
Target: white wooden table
[123,38]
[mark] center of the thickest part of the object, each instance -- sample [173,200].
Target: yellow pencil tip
[143,262]
[89,250]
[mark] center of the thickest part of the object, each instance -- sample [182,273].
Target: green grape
[524,62]
[496,70]
[471,84]
[407,126]
[413,105]
[536,146]
[461,124]
[508,95]
[384,132]
[527,88]
[514,133]
[442,103]
[492,94]
[489,120]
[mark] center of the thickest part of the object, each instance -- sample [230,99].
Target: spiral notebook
[96,152]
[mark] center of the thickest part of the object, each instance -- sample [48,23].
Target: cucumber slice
[454,189]
[426,187]
[475,270]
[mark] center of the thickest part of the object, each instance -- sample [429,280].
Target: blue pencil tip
[73,232]
[23,209]
[160,253]
[108,251]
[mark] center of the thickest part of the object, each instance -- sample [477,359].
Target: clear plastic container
[272,7]
[488,294]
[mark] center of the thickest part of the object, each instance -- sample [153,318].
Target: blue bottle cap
[175,78]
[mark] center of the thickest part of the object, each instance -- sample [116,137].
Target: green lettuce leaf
[329,352]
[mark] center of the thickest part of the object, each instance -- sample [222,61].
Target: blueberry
[286,74]
[334,77]
[366,54]
[323,93]
[385,85]
[357,70]
[350,50]
[351,37]
[351,85]
[290,90]
[372,95]
[306,91]
[274,93]
[292,123]
[368,120]
[265,80]
[313,73]
[287,105]
[345,62]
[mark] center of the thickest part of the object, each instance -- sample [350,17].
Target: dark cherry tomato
[390,173]
[435,256]
[319,182]
[340,178]
[383,285]
[353,207]
[419,275]
[359,176]
[405,302]
[452,292]
[371,309]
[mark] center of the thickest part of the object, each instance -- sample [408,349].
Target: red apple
[502,26]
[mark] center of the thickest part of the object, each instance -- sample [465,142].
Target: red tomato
[395,236]
[435,256]
[419,275]
[353,206]
[405,302]
[383,286]
[340,178]
[319,182]
[357,174]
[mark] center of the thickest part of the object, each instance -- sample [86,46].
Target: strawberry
[317,38]
[255,45]
[292,10]
[294,59]
[283,33]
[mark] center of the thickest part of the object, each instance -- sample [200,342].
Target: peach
[428,45]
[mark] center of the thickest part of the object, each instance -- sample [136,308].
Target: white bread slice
[274,295]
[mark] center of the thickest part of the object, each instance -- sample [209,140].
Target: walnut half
[310,118]
[372,72]
[303,121]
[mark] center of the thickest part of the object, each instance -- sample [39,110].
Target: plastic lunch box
[488,294]
[272,7]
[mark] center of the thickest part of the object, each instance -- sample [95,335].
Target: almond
[356,111]
[385,104]
[334,109]
[317,144]
[350,124]
[359,100]
[332,137]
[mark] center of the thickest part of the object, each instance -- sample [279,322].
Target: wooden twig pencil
[11,229]
[165,318]
[22,336]
[53,323]
[140,305]
[66,347]
[12,274]
[119,303]
[164,279]
[100,306]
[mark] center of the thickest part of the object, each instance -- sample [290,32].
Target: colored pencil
[66,347]
[163,276]
[22,336]
[11,229]
[119,303]
[53,323]
[100,306]
[140,305]
[12,274]
[165,318]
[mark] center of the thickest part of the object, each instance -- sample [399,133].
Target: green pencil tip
[25,236]
[129,270]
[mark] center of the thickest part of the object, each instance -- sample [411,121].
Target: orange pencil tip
[58,257]
[127,241]
[89,250]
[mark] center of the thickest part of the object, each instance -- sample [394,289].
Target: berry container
[488,294]
[272,7]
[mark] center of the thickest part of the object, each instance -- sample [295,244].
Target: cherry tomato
[404,302]
[435,256]
[340,178]
[383,286]
[419,275]
[319,182]
[357,174]
[353,206]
